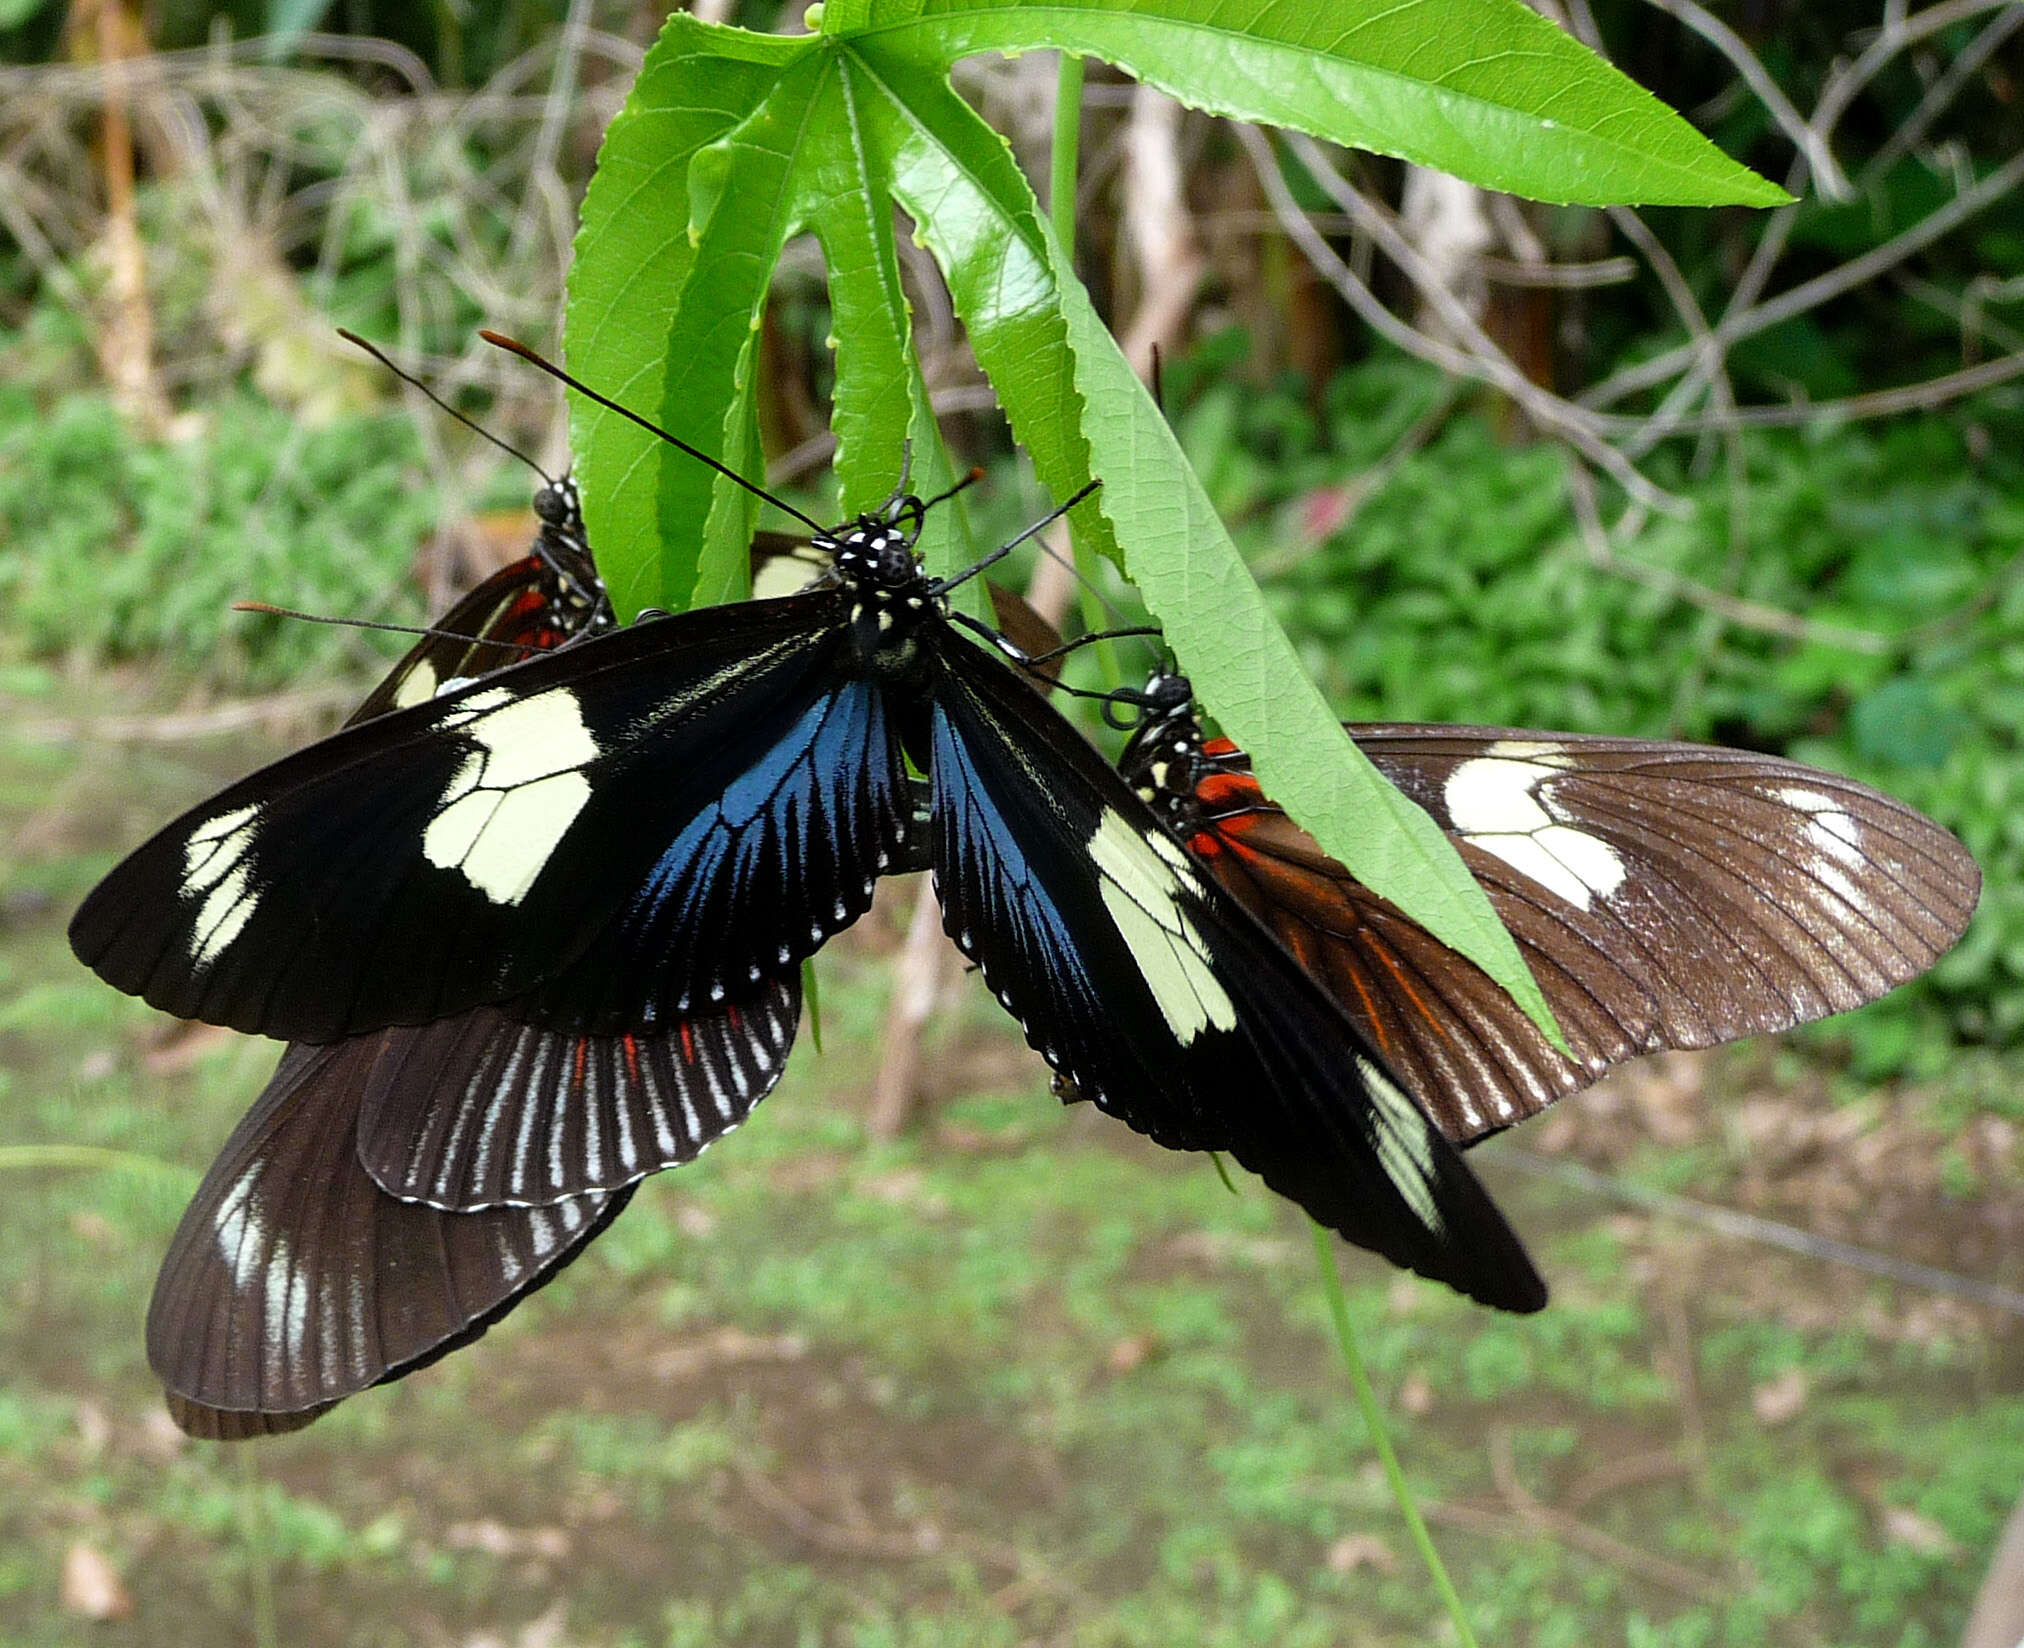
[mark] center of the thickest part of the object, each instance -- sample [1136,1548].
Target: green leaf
[641,310]
[1485,89]
[1082,410]
[881,403]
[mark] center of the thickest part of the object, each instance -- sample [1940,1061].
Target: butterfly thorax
[873,557]
[579,596]
[1163,760]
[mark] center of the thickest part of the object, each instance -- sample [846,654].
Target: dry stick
[554,116]
[1746,614]
[1942,92]
[1771,244]
[1810,143]
[916,986]
[1713,366]
[1737,325]
[1158,229]
[1878,403]
[1751,1227]
[126,342]
[1571,1530]
[1897,35]
[1482,361]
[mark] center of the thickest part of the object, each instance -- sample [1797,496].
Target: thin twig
[1750,1227]
[1810,143]
[1941,93]
[1734,609]
[1571,1530]
[1737,325]
[1481,361]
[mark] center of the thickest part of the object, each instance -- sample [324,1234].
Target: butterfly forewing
[481,1111]
[294,1281]
[639,823]
[1155,996]
[1664,895]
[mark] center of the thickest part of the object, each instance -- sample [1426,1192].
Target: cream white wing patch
[1832,831]
[418,686]
[254,1255]
[214,864]
[1503,803]
[1404,1142]
[517,793]
[1140,884]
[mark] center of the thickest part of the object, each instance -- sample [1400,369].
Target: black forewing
[294,1281]
[642,820]
[482,1111]
[1160,999]
[1734,894]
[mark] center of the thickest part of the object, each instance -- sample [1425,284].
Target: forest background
[924,1360]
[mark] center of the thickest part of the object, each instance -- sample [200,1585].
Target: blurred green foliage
[123,549]
[1460,589]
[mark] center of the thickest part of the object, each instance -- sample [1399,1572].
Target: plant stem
[259,1559]
[1067,151]
[1373,1418]
[32,1156]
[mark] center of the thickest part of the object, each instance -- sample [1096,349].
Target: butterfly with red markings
[1664,896]
[390,1196]
[644,825]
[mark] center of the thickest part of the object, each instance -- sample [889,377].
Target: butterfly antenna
[963,485]
[513,346]
[368,623]
[1125,626]
[409,378]
[1006,549]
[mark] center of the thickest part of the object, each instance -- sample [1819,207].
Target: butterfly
[648,823]
[311,1263]
[1664,895]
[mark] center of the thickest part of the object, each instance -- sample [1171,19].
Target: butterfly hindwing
[481,1111]
[674,811]
[294,1281]
[1153,994]
[1664,895]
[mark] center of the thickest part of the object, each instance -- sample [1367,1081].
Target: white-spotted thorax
[564,544]
[1163,759]
[874,557]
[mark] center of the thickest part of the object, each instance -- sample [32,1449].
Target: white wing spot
[417,687]
[1139,888]
[214,863]
[1498,802]
[1404,1143]
[515,796]
[239,1231]
[1829,826]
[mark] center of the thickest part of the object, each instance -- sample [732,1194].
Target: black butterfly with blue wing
[642,825]
[310,1264]
[1664,895]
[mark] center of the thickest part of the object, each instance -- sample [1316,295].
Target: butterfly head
[1164,756]
[559,504]
[877,549]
